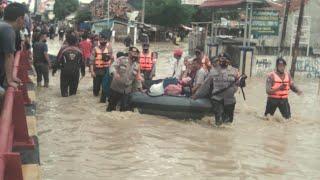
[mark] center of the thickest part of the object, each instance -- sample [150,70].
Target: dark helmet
[281,61]
[120,54]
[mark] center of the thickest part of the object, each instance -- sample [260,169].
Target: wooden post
[284,27]
[297,41]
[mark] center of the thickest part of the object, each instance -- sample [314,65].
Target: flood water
[80,141]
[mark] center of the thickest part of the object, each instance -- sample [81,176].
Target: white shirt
[177,68]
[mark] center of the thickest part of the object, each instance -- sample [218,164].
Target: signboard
[316,51]
[192,2]
[265,22]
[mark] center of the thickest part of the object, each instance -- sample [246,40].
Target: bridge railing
[13,130]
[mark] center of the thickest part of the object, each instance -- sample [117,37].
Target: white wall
[305,66]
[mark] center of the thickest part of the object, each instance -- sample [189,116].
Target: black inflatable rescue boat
[171,106]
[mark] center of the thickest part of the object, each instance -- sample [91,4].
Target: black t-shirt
[71,60]
[7,45]
[39,49]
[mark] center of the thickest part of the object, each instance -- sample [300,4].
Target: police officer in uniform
[70,61]
[147,62]
[101,60]
[223,81]
[126,79]
[279,83]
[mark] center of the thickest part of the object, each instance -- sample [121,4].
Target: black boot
[103,97]
[219,120]
[103,100]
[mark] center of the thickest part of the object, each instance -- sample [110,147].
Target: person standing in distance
[86,47]
[41,60]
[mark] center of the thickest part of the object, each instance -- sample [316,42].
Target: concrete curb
[31,158]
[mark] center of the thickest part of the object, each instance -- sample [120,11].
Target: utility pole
[143,11]
[284,27]
[35,6]
[297,41]
[108,7]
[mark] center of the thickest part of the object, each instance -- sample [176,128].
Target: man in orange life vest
[279,83]
[147,62]
[101,60]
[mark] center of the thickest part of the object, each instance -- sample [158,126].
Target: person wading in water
[278,85]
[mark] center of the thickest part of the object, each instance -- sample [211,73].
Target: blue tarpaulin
[98,26]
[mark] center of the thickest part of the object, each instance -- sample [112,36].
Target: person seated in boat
[187,64]
[199,76]
[202,58]
[177,65]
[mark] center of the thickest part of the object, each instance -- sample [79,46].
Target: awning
[186,27]
[71,17]
[227,3]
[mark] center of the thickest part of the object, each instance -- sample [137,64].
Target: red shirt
[86,48]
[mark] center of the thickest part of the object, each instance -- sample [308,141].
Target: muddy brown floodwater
[80,141]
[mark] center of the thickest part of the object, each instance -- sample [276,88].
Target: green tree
[63,8]
[171,12]
[83,15]
[168,13]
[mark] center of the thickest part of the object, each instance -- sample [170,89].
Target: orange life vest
[99,62]
[280,94]
[146,61]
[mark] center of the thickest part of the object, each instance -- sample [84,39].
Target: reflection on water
[80,141]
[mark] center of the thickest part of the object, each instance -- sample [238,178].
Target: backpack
[156,90]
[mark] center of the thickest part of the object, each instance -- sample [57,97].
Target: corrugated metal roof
[227,3]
